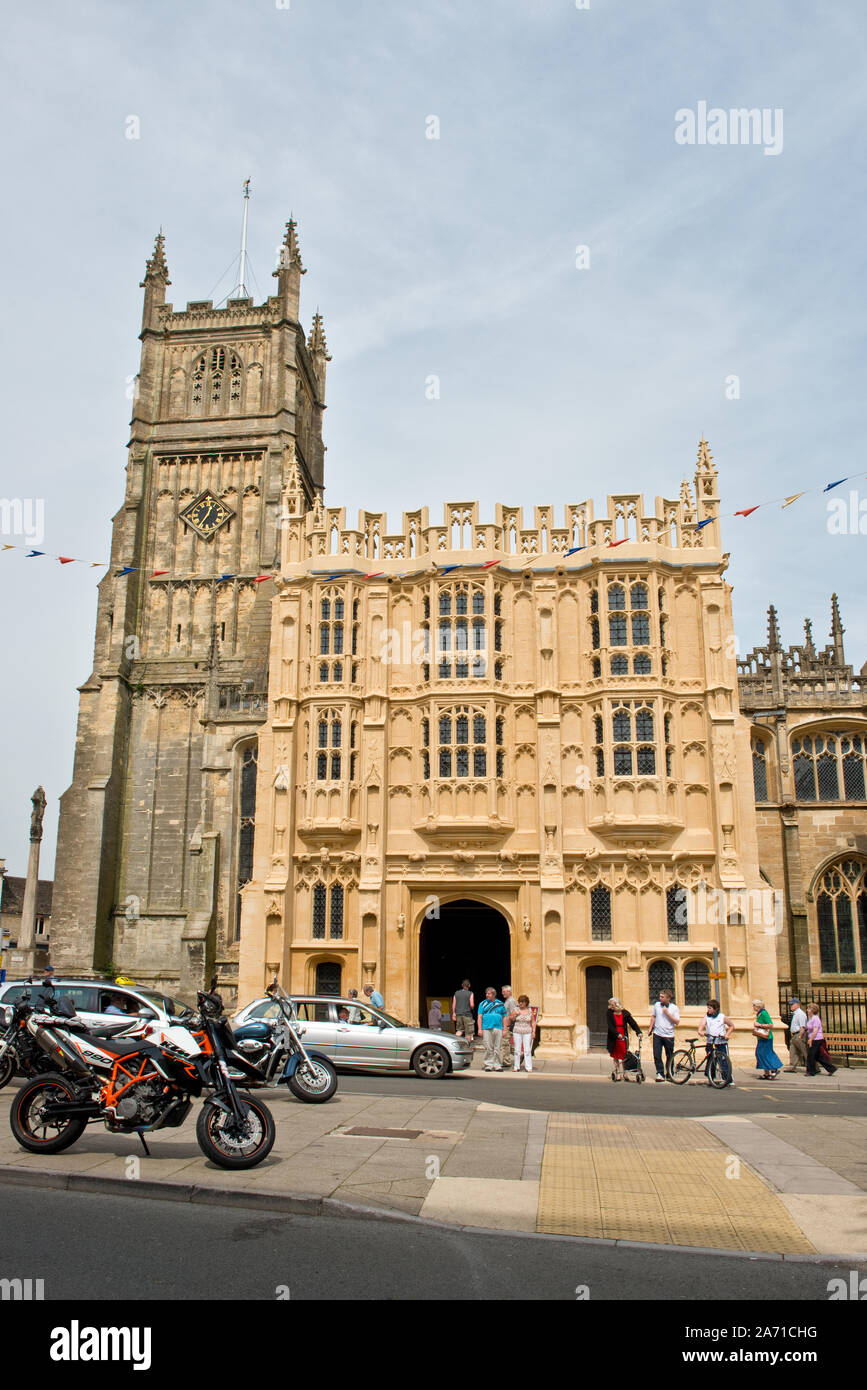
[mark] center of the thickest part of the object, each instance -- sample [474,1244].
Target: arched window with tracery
[329,742]
[830,766]
[660,976]
[461,632]
[330,632]
[759,749]
[841,918]
[216,382]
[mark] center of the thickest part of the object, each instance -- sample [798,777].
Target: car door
[366,1040]
[317,1017]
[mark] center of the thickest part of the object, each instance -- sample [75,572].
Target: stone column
[26,937]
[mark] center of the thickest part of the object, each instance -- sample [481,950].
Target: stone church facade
[808,709]
[508,748]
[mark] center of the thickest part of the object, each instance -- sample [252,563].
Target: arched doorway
[598,982]
[328,975]
[469,940]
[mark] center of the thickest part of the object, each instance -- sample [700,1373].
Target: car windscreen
[389,1018]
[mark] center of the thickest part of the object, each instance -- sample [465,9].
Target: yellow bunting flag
[794,497]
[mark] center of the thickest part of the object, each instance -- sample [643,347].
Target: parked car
[91,999]
[368,1038]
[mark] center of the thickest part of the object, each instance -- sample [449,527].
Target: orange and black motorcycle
[134,1086]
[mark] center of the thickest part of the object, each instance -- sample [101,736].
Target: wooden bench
[848,1045]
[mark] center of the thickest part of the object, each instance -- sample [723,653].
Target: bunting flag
[612,544]
[747,511]
[705,523]
[789,500]
[575,549]
[32,554]
[837,484]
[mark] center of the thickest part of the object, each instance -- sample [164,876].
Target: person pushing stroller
[620,1020]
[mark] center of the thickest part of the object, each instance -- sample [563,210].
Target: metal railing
[842,1010]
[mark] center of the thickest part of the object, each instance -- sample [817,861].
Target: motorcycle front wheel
[7,1069]
[230,1144]
[315,1080]
[29,1125]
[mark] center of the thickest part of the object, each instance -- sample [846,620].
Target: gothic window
[246,824]
[619,666]
[638,597]
[594,600]
[660,976]
[319,900]
[760,768]
[329,736]
[457,656]
[634,749]
[696,982]
[600,913]
[617,630]
[594,634]
[676,913]
[829,767]
[462,745]
[616,597]
[841,916]
[599,751]
[597,668]
[335,924]
[641,665]
[498,603]
[331,613]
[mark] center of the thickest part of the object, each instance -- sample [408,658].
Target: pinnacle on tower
[316,341]
[156,266]
[290,251]
[773,631]
[809,648]
[705,462]
[837,631]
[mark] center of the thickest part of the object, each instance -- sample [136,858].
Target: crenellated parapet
[671,525]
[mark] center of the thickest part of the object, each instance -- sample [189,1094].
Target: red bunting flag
[611,544]
[260,578]
[489,564]
[157,573]
[375,574]
[66,559]
[748,511]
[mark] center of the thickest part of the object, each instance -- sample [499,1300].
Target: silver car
[357,1035]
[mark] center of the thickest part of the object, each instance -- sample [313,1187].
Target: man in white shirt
[797,1037]
[663,1017]
[716,1030]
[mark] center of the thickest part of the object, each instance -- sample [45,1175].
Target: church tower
[155,835]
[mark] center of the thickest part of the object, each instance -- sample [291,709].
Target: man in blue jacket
[490,1024]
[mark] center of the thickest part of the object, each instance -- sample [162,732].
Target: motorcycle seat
[124,1047]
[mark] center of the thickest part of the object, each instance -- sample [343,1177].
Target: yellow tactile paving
[668,1183]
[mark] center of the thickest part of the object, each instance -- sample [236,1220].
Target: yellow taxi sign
[123,980]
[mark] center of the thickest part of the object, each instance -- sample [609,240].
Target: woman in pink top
[816,1049]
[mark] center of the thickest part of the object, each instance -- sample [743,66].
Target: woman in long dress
[766,1057]
[619,1022]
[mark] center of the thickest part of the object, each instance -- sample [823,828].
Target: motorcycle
[269,1052]
[135,1086]
[18,1048]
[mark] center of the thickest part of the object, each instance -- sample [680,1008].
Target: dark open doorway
[467,941]
[598,993]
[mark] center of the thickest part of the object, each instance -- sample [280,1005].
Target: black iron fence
[842,1010]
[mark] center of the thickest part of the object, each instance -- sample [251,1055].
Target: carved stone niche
[633,957]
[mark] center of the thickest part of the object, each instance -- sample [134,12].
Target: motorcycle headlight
[5,1015]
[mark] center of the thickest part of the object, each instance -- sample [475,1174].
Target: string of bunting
[32,554]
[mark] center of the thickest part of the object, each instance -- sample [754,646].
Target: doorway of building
[328,974]
[467,941]
[598,980]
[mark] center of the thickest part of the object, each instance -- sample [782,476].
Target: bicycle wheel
[716,1073]
[683,1067]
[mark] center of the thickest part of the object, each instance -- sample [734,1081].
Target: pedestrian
[492,1011]
[619,1020]
[716,1030]
[511,1010]
[763,1032]
[522,1025]
[797,1036]
[374,997]
[435,1016]
[664,1015]
[817,1049]
[463,1011]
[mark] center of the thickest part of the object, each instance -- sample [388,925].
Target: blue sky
[453,257]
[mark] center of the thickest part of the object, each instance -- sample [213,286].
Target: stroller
[632,1068]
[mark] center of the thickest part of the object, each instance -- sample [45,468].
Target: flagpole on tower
[242,288]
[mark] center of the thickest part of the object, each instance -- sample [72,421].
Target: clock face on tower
[206,515]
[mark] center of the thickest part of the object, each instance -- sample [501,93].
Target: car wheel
[431,1062]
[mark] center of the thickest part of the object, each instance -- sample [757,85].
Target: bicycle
[685,1064]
